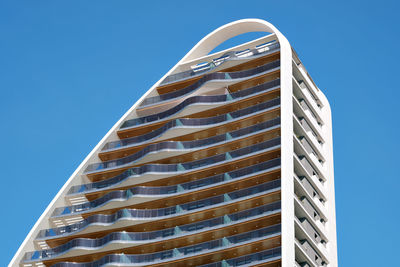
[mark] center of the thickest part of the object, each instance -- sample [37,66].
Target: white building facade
[226,161]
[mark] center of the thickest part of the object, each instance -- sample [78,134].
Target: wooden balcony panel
[178,220]
[171,87]
[216,130]
[193,196]
[192,156]
[254,63]
[162,245]
[183,178]
[168,88]
[229,253]
[222,109]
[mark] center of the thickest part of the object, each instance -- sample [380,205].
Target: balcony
[261,257]
[129,179]
[304,209]
[217,63]
[301,127]
[303,187]
[209,99]
[183,252]
[142,215]
[308,85]
[305,139]
[196,164]
[309,160]
[87,245]
[165,149]
[301,91]
[215,77]
[305,231]
[184,126]
[146,193]
[308,253]
[312,178]
[307,121]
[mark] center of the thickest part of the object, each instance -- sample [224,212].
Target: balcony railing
[200,122]
[209,77]
[140,214]
[310,252]
[174,232]
[309,229]
[182,252]
[185,145]
[309,188]
[123,195]
[268,86]
[179,168]
[232,55]
[254,258]
[309,208]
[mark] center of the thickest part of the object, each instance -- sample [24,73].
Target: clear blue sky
[70,69]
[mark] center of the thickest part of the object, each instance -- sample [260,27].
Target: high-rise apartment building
[225,161]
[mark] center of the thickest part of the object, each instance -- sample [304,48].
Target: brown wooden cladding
[195,175]
[192,196]
[196,155]
[153,247]
[216,130]
[168,88]
[223,109]
[179,219]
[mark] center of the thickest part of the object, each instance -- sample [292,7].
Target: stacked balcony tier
[191,178]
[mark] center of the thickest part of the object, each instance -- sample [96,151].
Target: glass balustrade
[137,214]
[176,168]
[192,250]
[123,195]
[192,122]
[173,232]
[254,258]
[182,145]
[203,99]
[209,77]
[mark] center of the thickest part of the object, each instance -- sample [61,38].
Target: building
[226,161]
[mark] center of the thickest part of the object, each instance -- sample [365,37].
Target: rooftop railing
[201,69]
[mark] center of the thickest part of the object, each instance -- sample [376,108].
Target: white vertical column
[288,252]
[329,184]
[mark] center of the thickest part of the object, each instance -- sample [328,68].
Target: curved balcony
[222,76]
[174,232]
[254,258]
[195,122]
[182,252]
[185,146]
[178,168]
[268,86]
[164,191]
[142,214]
[248,54]
[198,122]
